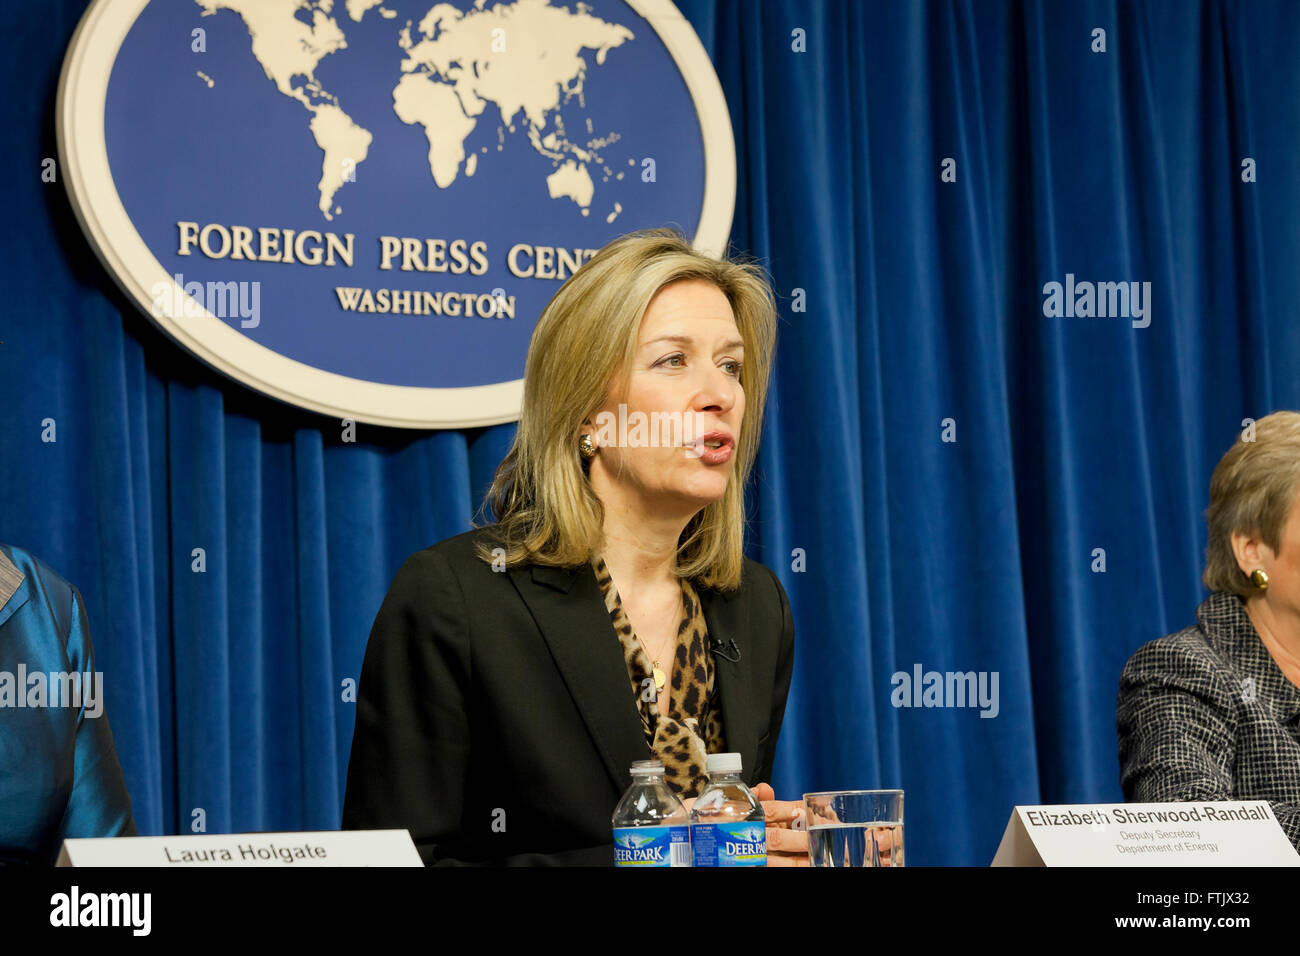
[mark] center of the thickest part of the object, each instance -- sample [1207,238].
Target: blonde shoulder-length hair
[583,345]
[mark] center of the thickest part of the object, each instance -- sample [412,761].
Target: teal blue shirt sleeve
[98,804]
[61,773]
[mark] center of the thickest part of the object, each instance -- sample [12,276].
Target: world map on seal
[454,64]
[383,173]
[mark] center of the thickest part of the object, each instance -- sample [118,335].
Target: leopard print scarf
[675,739]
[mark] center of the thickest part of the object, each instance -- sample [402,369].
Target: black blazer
[495,719]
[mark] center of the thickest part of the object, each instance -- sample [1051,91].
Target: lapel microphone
[731,646]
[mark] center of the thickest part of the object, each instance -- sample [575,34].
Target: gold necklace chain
[660,678]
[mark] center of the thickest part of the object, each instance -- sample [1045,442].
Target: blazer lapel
[570,611]
[1253,658]
[728,621]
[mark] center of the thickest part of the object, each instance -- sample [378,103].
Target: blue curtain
[949,478]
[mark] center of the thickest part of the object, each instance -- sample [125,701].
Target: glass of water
[854,827]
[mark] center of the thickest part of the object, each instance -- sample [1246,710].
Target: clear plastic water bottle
[651,827]
[728,825]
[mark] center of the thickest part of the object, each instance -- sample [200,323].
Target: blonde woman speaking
[515,672]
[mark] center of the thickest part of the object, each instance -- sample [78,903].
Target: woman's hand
[787,840]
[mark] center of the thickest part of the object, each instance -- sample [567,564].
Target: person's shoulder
[759,585]
[14,559]
[1188,656]
[462,549]
[756,571]
[46,595]
[18,566]
[1190,645]
[454,559]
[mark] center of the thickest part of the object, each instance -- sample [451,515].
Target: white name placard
[321,848]
[1224,833]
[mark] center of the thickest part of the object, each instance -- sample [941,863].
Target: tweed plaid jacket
[1206,714]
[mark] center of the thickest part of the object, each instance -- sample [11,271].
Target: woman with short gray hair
[1211,712]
